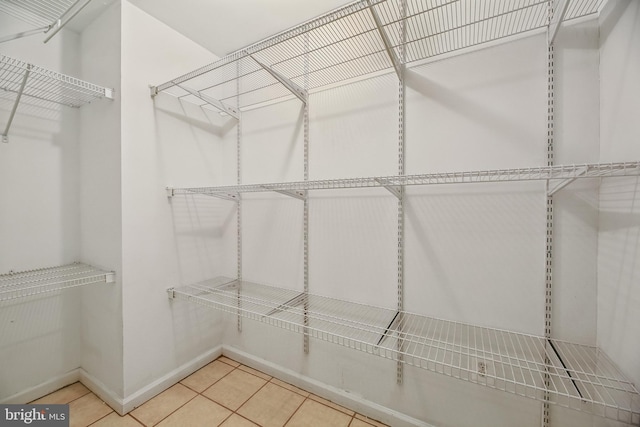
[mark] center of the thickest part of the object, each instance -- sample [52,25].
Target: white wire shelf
[46,16]
[33,282]
[359,39]
[42,87]
[563,174]
[580,377]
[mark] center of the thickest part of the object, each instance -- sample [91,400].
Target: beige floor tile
[228,361]
[290,387]
[86,410]
[234,389]
[315,414]
[370,421]
[255,372]
[115,420]
[154,410]
[64,395]
[236,420]
[199,412]
[359,423]
[272,406]
[332,405]
[204,377]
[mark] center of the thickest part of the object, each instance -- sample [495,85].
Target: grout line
[169,414]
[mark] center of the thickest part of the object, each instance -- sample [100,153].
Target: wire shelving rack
[359,39]
[33,282]
[43,88]
[581,377]
[563,174]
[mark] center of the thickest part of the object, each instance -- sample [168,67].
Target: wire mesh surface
[561,172]
[44,87]
[34,282]
[346,43]
[38,13]
[582,377]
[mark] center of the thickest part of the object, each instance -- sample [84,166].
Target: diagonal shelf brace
[396,190]
[286,82]
[387,43]
[565,182]
[559,10]
[293,302]
[60,23]
[212,101]
[296,194]
[5,135]
[24,34]
[234,197]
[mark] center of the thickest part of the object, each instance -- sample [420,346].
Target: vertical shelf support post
[5,135]
[306,199]
[548,301]
[239,205]
[400,69]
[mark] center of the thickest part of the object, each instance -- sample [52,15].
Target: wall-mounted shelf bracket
[171,292]
[170,192]
[290,85]
[565,182]
[23,34]
[396,190]
[291,303]
[225,195]
[397,65]
[558,12]
[5,135]
[213,102]
[296,194]
[60,23]
[233,197]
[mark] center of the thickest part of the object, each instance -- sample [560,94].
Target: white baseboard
[43,389]
[341,397]
[102,391]
[139,397]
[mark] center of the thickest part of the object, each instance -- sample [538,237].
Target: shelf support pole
[286,82]
[305,220]
[5,135]
[213,102]
[239,205]
[397,65]
[557,16]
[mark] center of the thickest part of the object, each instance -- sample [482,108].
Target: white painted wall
[39,205]
[167,243]
[619,221]
[100,206]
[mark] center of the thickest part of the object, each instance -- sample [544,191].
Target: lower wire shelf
[33,282]
[570,375]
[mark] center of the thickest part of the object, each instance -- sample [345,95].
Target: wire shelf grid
[46,86]
[37,12]
[33,282]
[560,172]
[581,377]
[346,43]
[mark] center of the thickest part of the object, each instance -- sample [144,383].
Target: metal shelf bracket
[296,194]
[212,101]
[290,85]
[172,293]
[559,10]
[565,182]
[397,65]
[396,190]
[5,135]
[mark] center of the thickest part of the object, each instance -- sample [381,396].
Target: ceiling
[224,26]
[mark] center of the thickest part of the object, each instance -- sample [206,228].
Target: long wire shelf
[33,282]
[563,174]
[361,38]
[576,376]
[43,87]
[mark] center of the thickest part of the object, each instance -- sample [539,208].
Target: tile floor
[223,393]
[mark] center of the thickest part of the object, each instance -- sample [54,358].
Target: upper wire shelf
[577,376]
[562,174]
[359,39]
[33,282]
[48,16]
[43,87]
